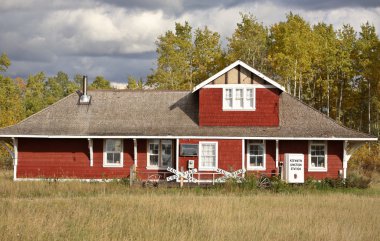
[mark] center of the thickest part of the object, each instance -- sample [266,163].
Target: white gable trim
[231,66]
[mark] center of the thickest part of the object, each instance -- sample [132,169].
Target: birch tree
[249,43]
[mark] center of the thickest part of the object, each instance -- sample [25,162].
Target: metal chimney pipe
[84,98]
[84,85]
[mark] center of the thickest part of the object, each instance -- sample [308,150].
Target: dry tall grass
[85,211]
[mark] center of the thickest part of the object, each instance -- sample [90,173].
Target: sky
[116,38]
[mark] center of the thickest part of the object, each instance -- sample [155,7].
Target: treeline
[21,98]
[334,70]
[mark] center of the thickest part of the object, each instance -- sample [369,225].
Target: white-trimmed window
[160,154]
[317,156]
[113,153]
[239,98]
[228,99]
[256,155]
[208,156]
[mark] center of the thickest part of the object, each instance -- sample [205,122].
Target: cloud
[116,38]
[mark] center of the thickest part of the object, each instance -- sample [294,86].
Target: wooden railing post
[181,182]
[131,175]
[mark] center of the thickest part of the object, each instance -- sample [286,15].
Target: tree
[100,83]
[249,43]
[11,102]
[132,83]
[207,57]
[344,68]
[4,62]
[324,65]
[174,51]
[140,84]
[291,51]
[368,64]
[35,93]
[58,87]
[181,63]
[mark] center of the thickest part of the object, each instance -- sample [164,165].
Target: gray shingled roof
[165,113]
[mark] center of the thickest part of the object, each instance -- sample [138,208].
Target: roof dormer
[238,95]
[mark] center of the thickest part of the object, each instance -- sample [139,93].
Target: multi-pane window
[160,153]
[237,98]
[256,155]
[249,98]
[228,98]
[208,156]
[317,156]
[113,153]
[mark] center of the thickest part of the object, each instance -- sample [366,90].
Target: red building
[236,119]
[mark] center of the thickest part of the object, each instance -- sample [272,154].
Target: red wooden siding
[211,109]
[142,161]
[229,156]
[334,157]
[67,158]
[270,157]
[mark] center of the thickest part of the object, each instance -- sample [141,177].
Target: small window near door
[113,153]
[208,156]
[317,156]
[160,154]
[256,155]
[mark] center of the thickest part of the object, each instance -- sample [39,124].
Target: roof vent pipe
[84,98]
[84,84]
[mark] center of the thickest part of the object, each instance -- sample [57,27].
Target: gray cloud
[328,4]
[116,38]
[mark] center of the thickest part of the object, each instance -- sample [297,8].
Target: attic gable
[239,73]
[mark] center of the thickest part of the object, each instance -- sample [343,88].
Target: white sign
[294,168]
[187,175]
[227,174]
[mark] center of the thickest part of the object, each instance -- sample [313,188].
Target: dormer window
[239,98]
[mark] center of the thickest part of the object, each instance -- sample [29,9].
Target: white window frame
[105,163]
[256,168]
[205,168]
[317,169]
[159,166]
[235,102]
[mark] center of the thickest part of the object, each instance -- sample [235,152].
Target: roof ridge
[325,116]
[137,90]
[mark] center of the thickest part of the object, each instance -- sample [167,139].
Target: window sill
[224,109]
[157,168]
[256,168]
[207,169]
[110,165]
[317,170]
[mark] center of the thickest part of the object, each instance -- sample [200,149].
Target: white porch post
[277,156]
[348,149]
[243,156]
[135,152]
[345,159]
[15,158]
[177,156]
[91,148]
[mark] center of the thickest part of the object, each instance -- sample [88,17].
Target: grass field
[111,211]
